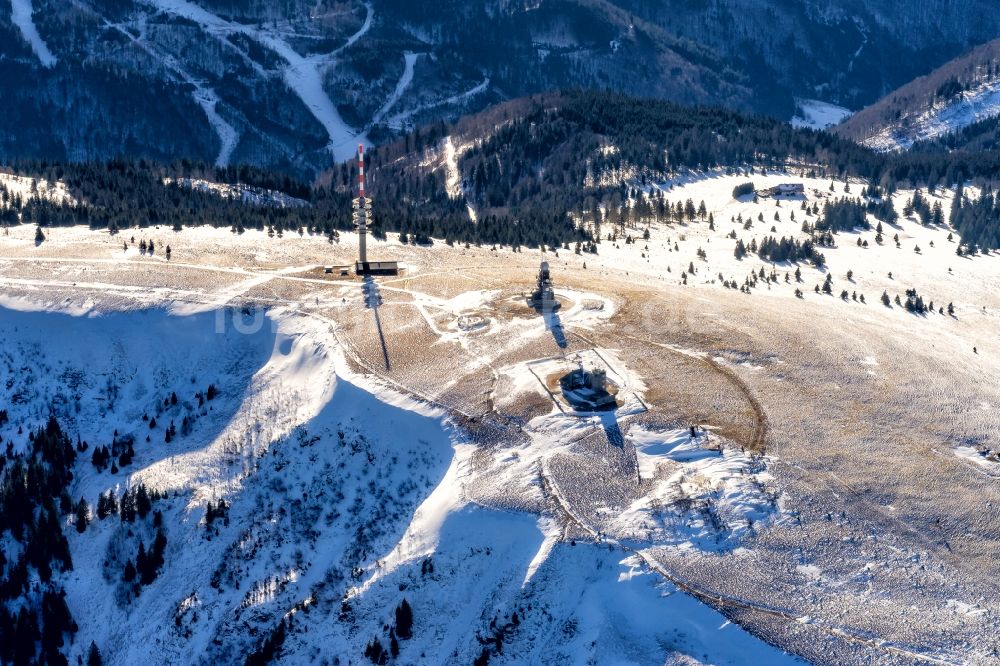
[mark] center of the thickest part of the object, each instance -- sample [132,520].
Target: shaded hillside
[553,153]
[292,85]
[523,173]
[956,95]
[979,136]
[850,52]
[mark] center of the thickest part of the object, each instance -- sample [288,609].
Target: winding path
[203,95]
[397,121]
[409,60]
[302,75]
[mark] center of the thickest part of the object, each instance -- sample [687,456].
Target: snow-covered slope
[295,85]
[816,114]
[254,196]
[343,498]
[21,11]
[26,188]
[301,75]
[957,94]
[416,450]
[944,117]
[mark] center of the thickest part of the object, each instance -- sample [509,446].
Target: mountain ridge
[278,85]
[960,93]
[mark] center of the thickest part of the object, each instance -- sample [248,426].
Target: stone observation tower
[543,298]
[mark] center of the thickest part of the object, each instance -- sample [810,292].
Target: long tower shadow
[373,299]
[554,325]
[543,300]
[612,430]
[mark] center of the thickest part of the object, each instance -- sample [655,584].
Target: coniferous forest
[36,509]
[531,168]
[34,500]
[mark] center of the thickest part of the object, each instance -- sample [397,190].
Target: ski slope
[209,101]
[410,59]
[203,95]
[399,120]
[302,75]
[21,15]
[815,114]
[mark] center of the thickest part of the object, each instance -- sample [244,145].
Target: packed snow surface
[814,114]
[21,15]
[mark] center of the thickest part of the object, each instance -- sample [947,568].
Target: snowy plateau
[789,476]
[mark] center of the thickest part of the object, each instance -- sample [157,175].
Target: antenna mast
[362,210]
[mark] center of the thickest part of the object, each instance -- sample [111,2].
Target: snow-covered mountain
[217,448]
[320,449]
[957,95]
[295,85]
[303,503]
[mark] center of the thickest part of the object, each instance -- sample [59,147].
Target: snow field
[21,16]
[853,393]
[22,186]
[289,415]
[818,115]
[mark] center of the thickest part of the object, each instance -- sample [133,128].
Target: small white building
[782,189]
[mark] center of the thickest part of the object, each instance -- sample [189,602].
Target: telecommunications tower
[362,216]
[362,212]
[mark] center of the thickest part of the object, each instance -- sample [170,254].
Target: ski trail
[228,136]
[453,180]
[396,121]
[203,95]
[208,100]
[302,75]
[864,43]
[327,60]
[20,15]
[453,177]
[365,27]
[404,82]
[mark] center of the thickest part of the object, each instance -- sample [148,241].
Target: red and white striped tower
[362,212]
[361,170]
